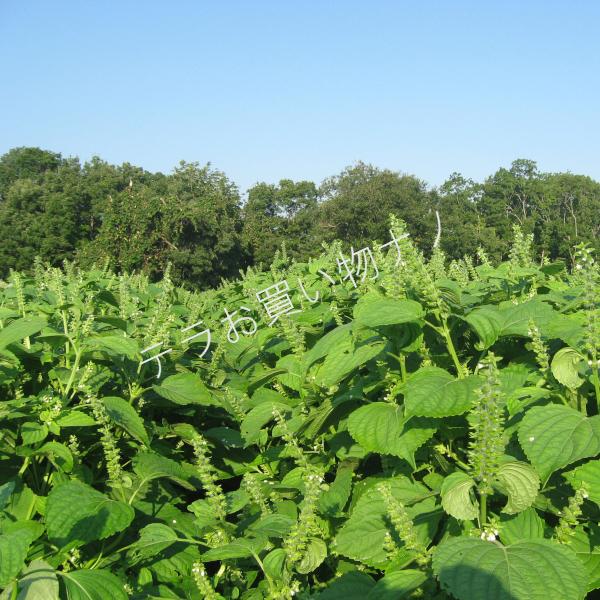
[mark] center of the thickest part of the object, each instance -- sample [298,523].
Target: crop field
[428,429]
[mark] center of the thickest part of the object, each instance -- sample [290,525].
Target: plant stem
[73,372]
[452,350]
[482,510]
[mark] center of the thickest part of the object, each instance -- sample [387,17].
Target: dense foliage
[195,220]
[433,432]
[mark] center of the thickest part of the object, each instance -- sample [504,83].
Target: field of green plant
[432,433]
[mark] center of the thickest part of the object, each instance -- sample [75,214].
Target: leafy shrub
[432,433]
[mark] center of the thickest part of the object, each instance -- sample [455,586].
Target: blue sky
[271,90]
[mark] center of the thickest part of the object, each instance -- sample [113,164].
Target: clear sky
[301,89]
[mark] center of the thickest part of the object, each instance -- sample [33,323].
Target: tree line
[195,220]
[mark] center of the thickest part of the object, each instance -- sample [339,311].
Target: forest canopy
[195,218]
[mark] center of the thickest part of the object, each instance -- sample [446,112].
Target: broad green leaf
[96,584]
[456,496]
[492,322]
[471,568]
[586,545]
[113,345]
[125,416]
[275,525]
[362,536]
[154,538]
[185,388]
[589,474]
[527,525]
[565,367]
[20,329]
[341,335]
[6,490]
[521,484]
[380,427]
[58,454]
[314,554]
[333,500]
[149,465]
[387,311]
[555,436]
[433,392]
[33,432]
[234,501]
[75,418]
[274,563]
[77,514]
[263,377]
[21,502]
[258,417]
[486,321]
[293,378]
[397,584]
[39,582]
[354,585]
[516,318]
[177,562]
[13,551]
[344,359]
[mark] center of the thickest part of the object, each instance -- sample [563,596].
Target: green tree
[25,163]
[280,213]
[359,200]
[190,219]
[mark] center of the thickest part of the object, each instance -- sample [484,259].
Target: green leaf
[6,490]
[39,582]
[77,514]
[589,473]
[587,548]
[344,359]
[516,318]
[527,525]
[113,345]
[341,335]
[234,501]
[362,536]
[94,584]
[565,367]
[456,496]
[258,417]
[433,392]
[13,551]
[332,501]
[19,329]
[274,563]
[521,484]
[275,525]
[397,584]
[471,568]
[125,416]
[314,555]
[149,465]
[154,538]
[353,585]
[486,321]
[33,432]
[380,427]
[387,311]
[185,388]
[492,322]
[555,436]
[58,454]
[75,418]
